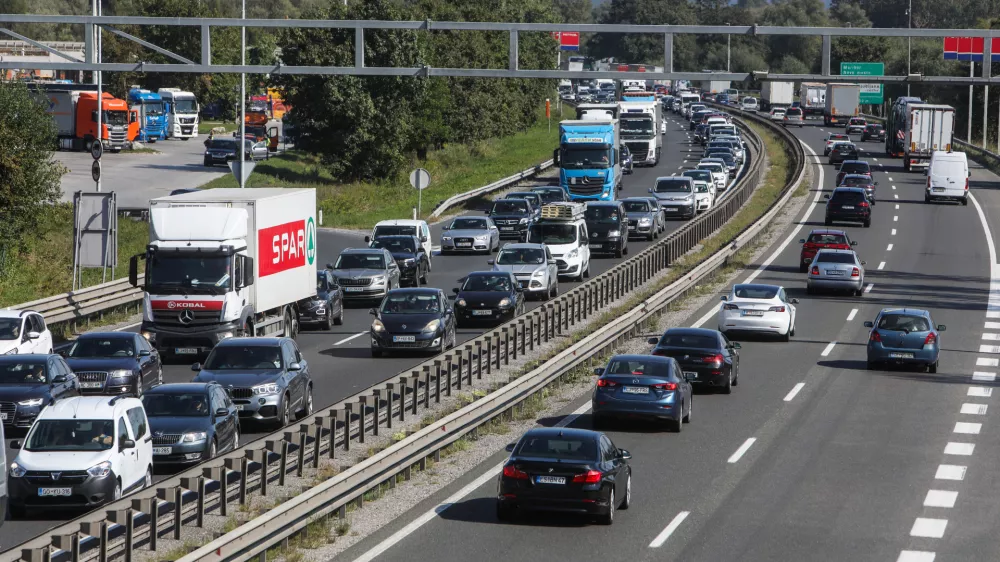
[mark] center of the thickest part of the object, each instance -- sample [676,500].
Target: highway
[340,360]
[812,457]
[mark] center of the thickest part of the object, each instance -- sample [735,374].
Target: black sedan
[551,194]
[191,422]
[327,307]
[706,357]
[413,320]
[410,256]
[489,296]
[842,151]
[565,470]
[29,383]
[628,164]
[114,363]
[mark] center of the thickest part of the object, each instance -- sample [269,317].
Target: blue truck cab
[152,117]
[589,159]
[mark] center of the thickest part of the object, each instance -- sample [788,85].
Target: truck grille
[198,318]
[117,138]
[186,120]
[362,282]
[240,393]
[9,409]
[638,149]
[167,439]
[587,188]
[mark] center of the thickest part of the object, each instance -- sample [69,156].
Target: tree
[574,11]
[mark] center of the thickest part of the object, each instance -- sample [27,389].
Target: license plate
[91,385]
[464,244]
[631,227]
[482,312]
[354,289]
[184,351]
[3,417]
[505,228]
[691,374]
[670,209]
[901,355]
[162,450]
[240,407]
[834,272]
[43,492]
[752,313]
[636,390]
[404,338]
[847,207]
[938,189]
[596,246]
[550,479]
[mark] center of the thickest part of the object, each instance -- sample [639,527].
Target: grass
[454,169]
[205,127]
[178,552]
[45,267]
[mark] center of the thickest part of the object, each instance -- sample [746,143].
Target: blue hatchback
[645,386]
[904,336]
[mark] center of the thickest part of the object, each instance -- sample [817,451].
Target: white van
[948,177]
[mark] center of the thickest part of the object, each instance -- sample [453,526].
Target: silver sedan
[470,234]
[836,270]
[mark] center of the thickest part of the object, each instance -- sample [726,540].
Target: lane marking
[992,326]
[742,450]
[897,208]
[991,336]
[993,304]
[895,196]
[950,472]
[987,362]
[828,348]
[895,218]
[882,264]
[893,233]
[868,289]
[669,529]
[854,312]
[930,528]
[984,376]
[916,556]
[940,498]
[794,391]
[890,179]
[959,449]
[894,187]
[989,348]
[980,391]
[974,409]
[967,428]
[347,339]
[889,248]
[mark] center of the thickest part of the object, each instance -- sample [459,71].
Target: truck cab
[563,229]
[588,160]
[152,117]
[181,113]
[641,120]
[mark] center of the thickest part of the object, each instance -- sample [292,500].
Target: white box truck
[776,94]
[928,129]
[843,101]
[224,263]
[812,99]
[715,86]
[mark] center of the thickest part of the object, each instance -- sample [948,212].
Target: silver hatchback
[836,270]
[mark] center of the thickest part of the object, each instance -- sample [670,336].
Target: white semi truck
[929,128]
[181,110]
[641,122]
[224,263]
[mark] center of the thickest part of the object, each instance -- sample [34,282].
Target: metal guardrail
[78,305]
[509,181]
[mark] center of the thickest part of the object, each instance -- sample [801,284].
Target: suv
[82,452]
[29,383]
[366,273]
[512,217]
[848,204]
[405,227]
[856,126]
[676,196]
[533,266]
[410,256]
[23,331]
[842,151]
[873,131]
[853,167]
[605,223]
[114,363]
[793,116]
[532,197]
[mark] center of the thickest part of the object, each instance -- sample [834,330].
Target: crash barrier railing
[509,181]
[164,510]
[84,303]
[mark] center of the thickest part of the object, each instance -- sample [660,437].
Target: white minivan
[948,177]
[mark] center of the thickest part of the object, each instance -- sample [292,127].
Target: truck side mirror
[133,269]
[248,277]
[555,157]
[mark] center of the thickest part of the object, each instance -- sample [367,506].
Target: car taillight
[856,272]
[730,307]
[863,204]
[776,309]
[510,471]
[875,337]
[815,270]
[606,383]
[589,477]
[809,246]
[929,181]
[713,359]
[930,339]
[967,184]
[664,386]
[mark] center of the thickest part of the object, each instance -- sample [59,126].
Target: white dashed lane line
[735,457]
[854,312]
[967,428]
[794,391]
[940,498]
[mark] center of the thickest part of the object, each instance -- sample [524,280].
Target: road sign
[568,40]
[420,179]
[870,93]
[248,166]
[95,170]
[96,150]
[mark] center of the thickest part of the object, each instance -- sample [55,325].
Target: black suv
[842,152]
[848,204]
[512,217]
[873,131]
[410,257]
[607,227]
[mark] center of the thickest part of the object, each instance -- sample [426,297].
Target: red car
[820,239]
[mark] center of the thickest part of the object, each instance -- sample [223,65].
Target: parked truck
[149,106]
[588,159]
[812,99]
[640,123]
[925,128]
[223,263]
[776,94]
[181,112]
[74,109]
[843,101]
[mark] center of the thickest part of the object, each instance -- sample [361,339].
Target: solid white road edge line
[794,391]
[742,450]
[669,529]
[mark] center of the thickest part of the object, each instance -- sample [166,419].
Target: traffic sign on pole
[871,94]
[241,170]
[420,179]
[95,170]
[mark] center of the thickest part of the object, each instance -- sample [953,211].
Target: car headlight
[266,389]
[120,374]
[194,436]
[378,280]
[446,238]
[524,221]
[408,262]
[432,326]
[460,302]
[645,221]
[574,253]
[539,273]
[17,470]
[614,233]
[378,326]
[504,302]
[688,198]
[31,402]
[482,238]
[100,470]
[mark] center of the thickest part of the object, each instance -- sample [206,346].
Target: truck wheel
[289,331]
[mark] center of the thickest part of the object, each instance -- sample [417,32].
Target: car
[31,382]
[605,224]
[906,336]
[725,154]
[82,452]
[758,308]
[676,195]
[366,273]
[532,265]
[565,470]
[661,223]
[842,152]
[191,422]
[641,217]
[406,227]
[410,257]
[793,116]
[873,131]
[836,270]
[493,296]
[727,161]
[536,201]
[778,114]
[853,167]
[725,144]
[822,238]
[646,386]
[663,127]
[848,204]
[863,181]
[413,320]
[948,177]
[832,139]
[701,133]
[114,363]
[628,164]
[856,125]
[470,234]
[221,150]
[706,357]
[551,194]
[698,117]
[512,217]
[24,331]
[749,104]
[267,378]
[326,309]
[719,173]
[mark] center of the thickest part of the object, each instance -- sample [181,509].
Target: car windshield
[856,181]
[827,239]
[602,213]
[553,233]
[580,157]
[566,448]
[10,328]
[521,256]
[360,261]
[404,245]
[22,372]
[637,367]
[903,323]
[689,340]
[102,347]
[321,282]
[223,144]
[515,206]
[188,405]
[855,168]
[153,107]
[755,291]
[395,230]
[703,175]
[636,206]
[550,194]
[672,186]
[185,106]
[240,357]
[411,303]
[834,257]
[468,224]
[701,188]
[70,435]
[487,283]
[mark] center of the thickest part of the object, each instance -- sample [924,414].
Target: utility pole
[729,49]
[909,40]
[100,86]
[243,95]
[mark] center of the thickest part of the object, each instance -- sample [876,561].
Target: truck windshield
[115,118]
[185,106]
[585,158]
[553,233]
[632,127]
[171,271]
[153,107]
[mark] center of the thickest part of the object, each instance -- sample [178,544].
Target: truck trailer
[812,99]
[74,109]
[588,158]
[776,94]
[926,128]
[843,101]
[152,118]
[181,112]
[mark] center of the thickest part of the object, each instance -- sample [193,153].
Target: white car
[704,195]
[778,114]
[663,127]
[405,227]
[82,452]
[23,331]
[719,174]
[749,104]
[759,309]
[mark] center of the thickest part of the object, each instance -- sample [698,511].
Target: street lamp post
[243,96]
[729,49]
[909,42]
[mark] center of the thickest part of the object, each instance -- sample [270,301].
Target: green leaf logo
[311,241]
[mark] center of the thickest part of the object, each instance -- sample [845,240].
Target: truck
[920,129]
[843,101]
[181,111]
[640,123]
[149,106]
[776,94]
[563,228]
[812,99]
[896,122]
[74,109]
[714,86]
[588,159]
[225,263]
[597,111]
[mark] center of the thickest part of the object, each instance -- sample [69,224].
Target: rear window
[875,128]
[855,168]
[847,196]
[832,257]
[827,239]
[903,322]
[856,181]
[689,340]
[839,137]
[755,291]
[794,112]
[558,448]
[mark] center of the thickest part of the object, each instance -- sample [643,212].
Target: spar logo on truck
[287,246]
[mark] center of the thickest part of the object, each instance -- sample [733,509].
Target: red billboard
[568,40]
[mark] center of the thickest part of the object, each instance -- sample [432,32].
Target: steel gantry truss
[205,25]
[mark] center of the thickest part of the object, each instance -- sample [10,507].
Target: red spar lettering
[286,245]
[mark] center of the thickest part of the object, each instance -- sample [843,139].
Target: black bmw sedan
[413,320]
[114,363]
[706,357]
[488,296]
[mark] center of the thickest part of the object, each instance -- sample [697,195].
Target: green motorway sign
[870,93]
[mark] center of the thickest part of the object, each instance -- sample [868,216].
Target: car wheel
[628,492]
[687,416]
[339,320]
[137,387]
[932,367]
[609,517]
[555,290]
[328,321]
[927,199]
[871,365]
[965,201]
[787,335]
[859,291]
[16,511]
[803,268]
[117,494]
[307,408]
[619,252]
[212,450]
[736,379]
[728,389]
[651,237]
[285,414]
[586,272]
[423,276]
[868,223]
[675,426]
[504,513]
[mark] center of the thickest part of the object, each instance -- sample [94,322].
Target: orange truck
[75,114]
[257,112]
[278,106]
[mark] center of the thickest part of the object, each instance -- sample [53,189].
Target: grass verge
[454,169]
[205,127]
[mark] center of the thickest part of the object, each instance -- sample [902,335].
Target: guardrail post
[402,399]
[103,556]
[244,477]
[178,507]
[390,390]
[489,353]
[261,457]
[496,347]
[479,360]
[318,439]
[201,502]
[283,461]
[348,414]
[362,415]
[506,345]
[415,378]
[376,412]
[219,474]
[514,339]
[149,506]
[468,361]
[426,369]
[437,381]
[458,367]
[522,335]
[447,370]
[302,451]
[69,542]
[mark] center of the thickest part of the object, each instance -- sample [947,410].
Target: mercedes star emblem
[552,470]
[186,316]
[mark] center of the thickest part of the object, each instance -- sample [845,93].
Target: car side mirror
[126,444]
[491,262]
[510,447]
[34,335]
[624,455]
[62,353]
[724,298]
[59,379]
[196,367]
[446,227]
[869,324]
[456,290]
[651,190]
[802,240]
[942,327]
[653,341]
[793,301]
[294,367]
[144,353]
[221,413]
[876,183]
[599,371]
[423,238]
[15,444]
[519,288]
[826,197]
[735,345]
[368,239]
[373,311]
[552,262]
[864,262]
[854,243]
